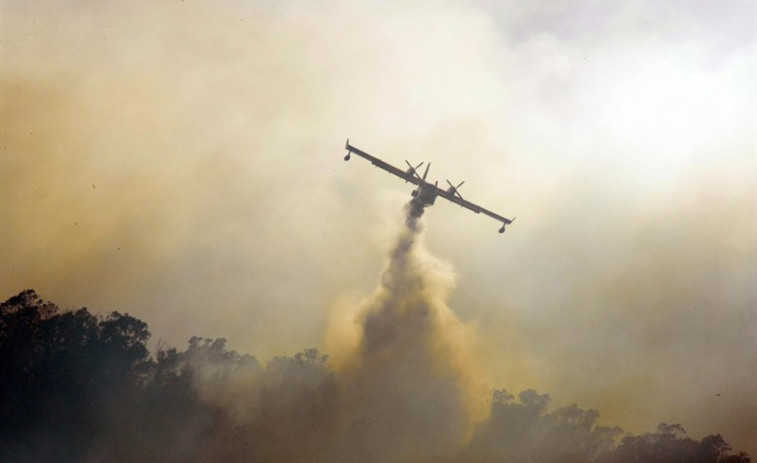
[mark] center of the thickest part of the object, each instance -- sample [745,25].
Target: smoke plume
[410,369]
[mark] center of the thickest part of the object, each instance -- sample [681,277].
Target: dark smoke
[81,388]
[414,210]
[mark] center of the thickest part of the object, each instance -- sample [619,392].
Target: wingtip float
[426,193]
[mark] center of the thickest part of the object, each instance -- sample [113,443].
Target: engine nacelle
[347,158]
[502,230]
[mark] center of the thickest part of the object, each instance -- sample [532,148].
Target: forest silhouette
[77,387]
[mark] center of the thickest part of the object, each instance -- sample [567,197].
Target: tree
[670,444]
[62,373]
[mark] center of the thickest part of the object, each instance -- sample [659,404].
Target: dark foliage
[524,431]
[670,445]
[62,373]
[76,387]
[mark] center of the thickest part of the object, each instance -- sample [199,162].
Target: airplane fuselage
[425,194]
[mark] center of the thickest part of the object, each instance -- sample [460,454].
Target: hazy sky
[182,161]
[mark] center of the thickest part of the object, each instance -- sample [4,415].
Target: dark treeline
[76,387]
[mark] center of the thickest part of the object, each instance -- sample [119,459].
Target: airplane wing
[406,176]
[450,196]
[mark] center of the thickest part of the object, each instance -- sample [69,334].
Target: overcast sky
[182,161]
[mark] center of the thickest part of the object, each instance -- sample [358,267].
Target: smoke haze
[180,161]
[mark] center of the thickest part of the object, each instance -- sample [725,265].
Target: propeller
[453,188]
[428,166]
[413,169]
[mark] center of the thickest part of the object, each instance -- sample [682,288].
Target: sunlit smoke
[410,370]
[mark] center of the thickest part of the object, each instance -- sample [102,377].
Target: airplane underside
[424,196]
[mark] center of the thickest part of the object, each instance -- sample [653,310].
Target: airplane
[426,192]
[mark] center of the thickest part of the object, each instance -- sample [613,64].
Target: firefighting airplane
[426,192]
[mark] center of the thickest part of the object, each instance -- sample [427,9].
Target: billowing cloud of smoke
[411,369]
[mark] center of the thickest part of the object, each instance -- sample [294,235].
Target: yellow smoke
[410,382]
